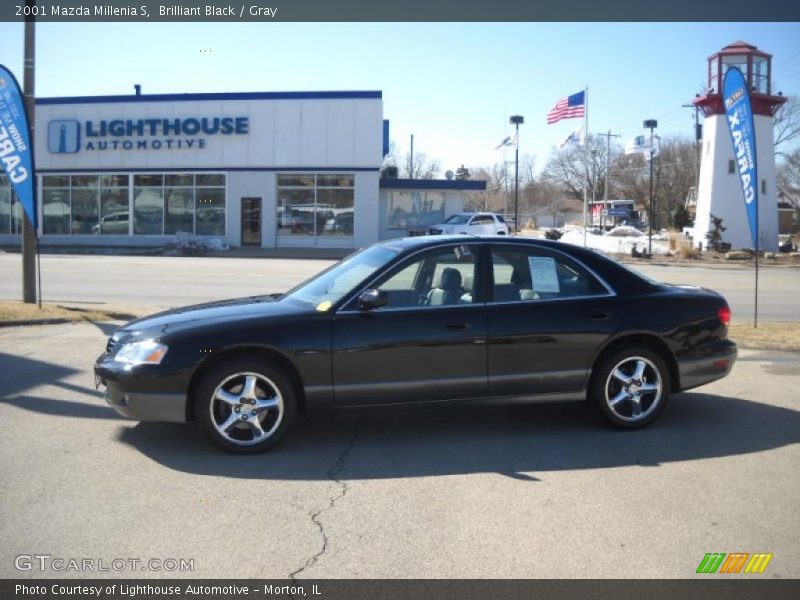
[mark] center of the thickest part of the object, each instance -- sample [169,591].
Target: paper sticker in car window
[543,274]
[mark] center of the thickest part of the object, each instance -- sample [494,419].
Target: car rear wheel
[245,406]
[631,387]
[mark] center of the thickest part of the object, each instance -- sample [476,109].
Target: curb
[22,322]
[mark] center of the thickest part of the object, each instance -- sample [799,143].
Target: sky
[452,85]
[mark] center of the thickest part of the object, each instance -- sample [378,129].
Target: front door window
[251,221]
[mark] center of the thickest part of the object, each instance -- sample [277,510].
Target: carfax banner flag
[743,136]
[15,146]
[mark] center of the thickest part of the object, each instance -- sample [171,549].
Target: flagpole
[757,199]
[585,156]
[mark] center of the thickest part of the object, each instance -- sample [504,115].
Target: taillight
[724,315]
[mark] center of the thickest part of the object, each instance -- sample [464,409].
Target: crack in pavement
[332,473]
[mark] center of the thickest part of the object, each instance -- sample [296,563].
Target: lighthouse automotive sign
[740,124]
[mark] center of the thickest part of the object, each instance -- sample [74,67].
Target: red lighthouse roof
[755,65]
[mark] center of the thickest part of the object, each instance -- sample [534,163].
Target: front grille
[435,231]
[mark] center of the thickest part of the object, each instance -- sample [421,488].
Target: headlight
[146,352]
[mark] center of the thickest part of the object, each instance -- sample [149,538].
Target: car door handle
[459,324]
[601,315]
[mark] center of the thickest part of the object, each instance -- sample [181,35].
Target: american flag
[570,107]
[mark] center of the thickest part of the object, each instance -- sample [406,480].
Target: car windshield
[329,286]
[457,219]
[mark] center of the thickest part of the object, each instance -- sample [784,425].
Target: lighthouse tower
[719,191]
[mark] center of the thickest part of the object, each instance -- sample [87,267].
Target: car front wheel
[245,406]
[631,387]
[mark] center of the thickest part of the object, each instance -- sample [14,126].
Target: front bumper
[715,365]
[144,393]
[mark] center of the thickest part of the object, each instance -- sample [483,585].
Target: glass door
[251,221]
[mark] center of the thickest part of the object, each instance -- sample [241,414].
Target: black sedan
[423,320]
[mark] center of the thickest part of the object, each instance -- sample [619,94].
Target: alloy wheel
[633,388]
[246,408]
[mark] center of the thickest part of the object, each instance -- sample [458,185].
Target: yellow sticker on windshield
[324,306]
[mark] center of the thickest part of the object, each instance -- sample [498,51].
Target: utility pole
[650,124]
[608,137]
[411,159]
[516,120]
[698,139]
[28,233]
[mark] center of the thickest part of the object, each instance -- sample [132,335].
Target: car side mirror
[372,299]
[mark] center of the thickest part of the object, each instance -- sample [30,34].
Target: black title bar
[708,588]
[406,10]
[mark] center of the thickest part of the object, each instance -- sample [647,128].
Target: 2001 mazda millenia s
[422,320]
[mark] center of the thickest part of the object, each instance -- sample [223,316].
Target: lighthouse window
[731,166]
[763,186]
[760,75]
[735,60]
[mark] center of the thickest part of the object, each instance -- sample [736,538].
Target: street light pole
[650,124]
[516,120]
[29,234]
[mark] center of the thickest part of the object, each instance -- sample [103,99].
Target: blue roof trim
[433,184]
[214,169]
[213,96]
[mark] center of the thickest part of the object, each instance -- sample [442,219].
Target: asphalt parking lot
[519,491]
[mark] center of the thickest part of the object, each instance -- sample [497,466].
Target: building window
[148,204]
[114,213]
[5,204]
[412,210]
[178,203]
[210,216]
[161,204]
[56,205]
[312,204]
[11,213]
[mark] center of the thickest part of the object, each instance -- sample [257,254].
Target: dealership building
[299,169]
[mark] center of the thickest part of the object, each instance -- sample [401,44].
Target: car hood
[187,316]
[449,225]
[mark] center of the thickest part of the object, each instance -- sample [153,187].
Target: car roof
[619,277]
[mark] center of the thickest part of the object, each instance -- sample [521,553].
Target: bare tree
[674,172]
[423,167]
[789,179]
[572,167]
[495,197]
[787,126]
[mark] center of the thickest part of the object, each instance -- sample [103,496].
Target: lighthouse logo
[63,136]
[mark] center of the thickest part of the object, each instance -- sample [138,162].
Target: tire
[234,395]
[630,387]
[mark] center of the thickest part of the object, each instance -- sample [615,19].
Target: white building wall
[366,225]
[316,134]
[720,193]
[250,184]
[313,133]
